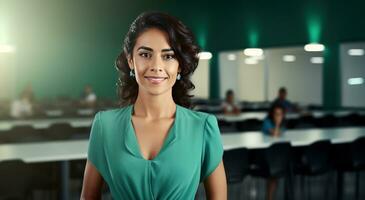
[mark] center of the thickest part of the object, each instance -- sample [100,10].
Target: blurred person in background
[230,106]
[283,101]
[88,97]
[273,126]
[24,106]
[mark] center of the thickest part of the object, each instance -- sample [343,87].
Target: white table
[45,123]
[257,140]
[261,115]
[64,151]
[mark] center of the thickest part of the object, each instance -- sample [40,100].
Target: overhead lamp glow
[314,47]
[231,56]
[4,48]
[205,55]
[289,58]
[356,52]
[253,52]
[317,60]
[355,81]
[251,61]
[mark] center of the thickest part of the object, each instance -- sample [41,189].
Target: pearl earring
[131,73]
[178,76]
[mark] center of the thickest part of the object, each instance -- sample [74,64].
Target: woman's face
[154,63]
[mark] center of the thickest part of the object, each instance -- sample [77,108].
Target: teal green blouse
[191,151]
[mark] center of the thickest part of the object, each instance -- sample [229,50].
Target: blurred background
[57,70]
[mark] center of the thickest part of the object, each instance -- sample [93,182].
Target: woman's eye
[169,57]
[145,55]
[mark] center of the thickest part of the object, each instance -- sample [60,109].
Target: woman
[155,147]
[273,125]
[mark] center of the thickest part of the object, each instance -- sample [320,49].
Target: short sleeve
[96,153]
[212,147]
[266,126]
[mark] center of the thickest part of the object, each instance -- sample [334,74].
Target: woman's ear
[130,61]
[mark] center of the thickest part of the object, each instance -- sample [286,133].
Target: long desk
[64,151]
[6,125]
[45,123]
[261,115]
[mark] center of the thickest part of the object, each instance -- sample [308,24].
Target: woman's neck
[154,107]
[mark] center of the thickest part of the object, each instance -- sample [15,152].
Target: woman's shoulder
[112,114]
[194,115]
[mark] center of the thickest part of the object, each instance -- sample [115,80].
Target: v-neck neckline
[135,146]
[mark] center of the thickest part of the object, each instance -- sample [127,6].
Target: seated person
[282,100]
[230,107]
[273,124]
[88,97]
[23,107]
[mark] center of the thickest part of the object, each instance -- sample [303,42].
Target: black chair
[225,126]
[19,180]
[22,134]
[236,164]
[349,157]
[273,162]
[327,121]
[249,125]
[305,122]
[352,119]
[16,178]
[59,131]
[313,160]
[358,160]
[291,123]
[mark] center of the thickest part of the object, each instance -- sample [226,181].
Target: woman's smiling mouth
[155,79]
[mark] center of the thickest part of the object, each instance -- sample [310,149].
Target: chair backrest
[277,158]
[249,125]
[358,153]
[328,120]
[305,122]
[23,133]
[59,131]
[16,178]
[236,164]
[352,119]
[316,157]
[291,123]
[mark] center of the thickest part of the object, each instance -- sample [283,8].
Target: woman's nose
[156,64]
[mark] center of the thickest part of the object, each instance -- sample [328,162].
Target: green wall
[61,46]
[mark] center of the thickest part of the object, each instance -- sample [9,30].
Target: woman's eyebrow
[166,50]
[145,48]
[150,49]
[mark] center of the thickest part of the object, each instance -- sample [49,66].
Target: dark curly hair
[181,40]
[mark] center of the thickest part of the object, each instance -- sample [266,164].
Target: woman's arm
[216,184]
[275,132]
[92,184]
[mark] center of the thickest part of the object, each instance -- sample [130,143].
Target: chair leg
[302,188]
[357,185]
[339,185]
[309,188]
[329,188]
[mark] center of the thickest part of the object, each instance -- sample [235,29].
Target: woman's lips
[155,80]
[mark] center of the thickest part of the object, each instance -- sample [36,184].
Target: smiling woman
[155,147]
[181,50]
